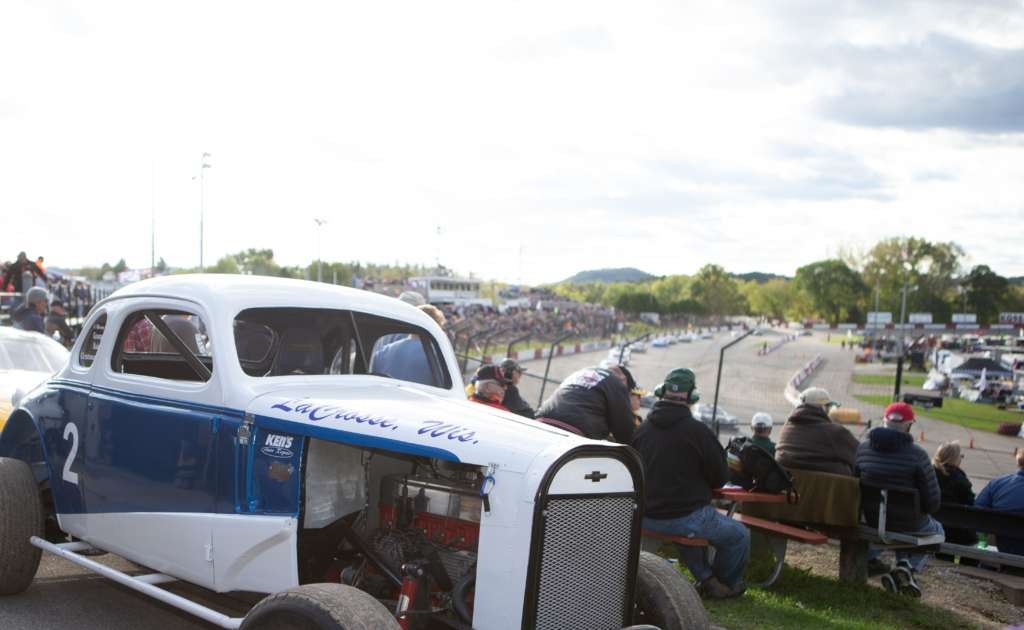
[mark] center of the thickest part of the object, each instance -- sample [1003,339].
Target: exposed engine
[422,555]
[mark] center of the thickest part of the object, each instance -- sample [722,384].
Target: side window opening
[91,345]
[295,341]
[165,344]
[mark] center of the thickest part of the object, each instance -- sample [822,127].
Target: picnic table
[777,535]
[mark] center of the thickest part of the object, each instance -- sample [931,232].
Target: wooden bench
[776,534]
[986,521]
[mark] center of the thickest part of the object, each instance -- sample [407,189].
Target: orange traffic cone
[922,436]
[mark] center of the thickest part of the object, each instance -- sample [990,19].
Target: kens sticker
[279,446]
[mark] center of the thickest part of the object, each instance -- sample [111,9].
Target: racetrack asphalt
[66,596]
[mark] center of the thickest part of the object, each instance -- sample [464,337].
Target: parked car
[26,360]
[660,342]
[237,433]
[724,418]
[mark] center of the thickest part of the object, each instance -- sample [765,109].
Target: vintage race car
[313,443]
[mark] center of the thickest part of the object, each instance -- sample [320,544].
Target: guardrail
[792,391]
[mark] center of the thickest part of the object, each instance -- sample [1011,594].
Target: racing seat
[300,352]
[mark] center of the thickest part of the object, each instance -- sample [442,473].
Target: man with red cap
[889,457]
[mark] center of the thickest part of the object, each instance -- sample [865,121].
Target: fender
[20,439]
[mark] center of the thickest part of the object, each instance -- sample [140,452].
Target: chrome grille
[585,562]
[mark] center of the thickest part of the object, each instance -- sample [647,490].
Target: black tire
[320,607]
[21,517]
[666,599]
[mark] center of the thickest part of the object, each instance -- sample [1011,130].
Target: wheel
[664,598]
[21,517]
[320,607]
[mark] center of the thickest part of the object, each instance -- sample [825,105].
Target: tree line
[835,290]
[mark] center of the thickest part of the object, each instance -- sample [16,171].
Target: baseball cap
[413,298]
[817,396]
[761,419]
[899,412]
[511,364]
[490,373]
[678,381]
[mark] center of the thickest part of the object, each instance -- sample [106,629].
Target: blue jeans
[917,560]
[730,540]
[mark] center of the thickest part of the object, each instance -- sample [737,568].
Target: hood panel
[407,420]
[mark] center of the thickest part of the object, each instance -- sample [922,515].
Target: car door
[148,472]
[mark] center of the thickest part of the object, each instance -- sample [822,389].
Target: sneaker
[877,566]
[903,575]
[713,589]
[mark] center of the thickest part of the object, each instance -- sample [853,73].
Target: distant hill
[1017,280]
[623,274]
[758,277]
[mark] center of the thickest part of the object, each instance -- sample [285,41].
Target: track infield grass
[978,416]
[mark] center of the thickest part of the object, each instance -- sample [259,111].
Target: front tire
[21,517]
[320,607]
[666,599]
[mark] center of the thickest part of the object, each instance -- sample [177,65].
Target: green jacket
[765,443]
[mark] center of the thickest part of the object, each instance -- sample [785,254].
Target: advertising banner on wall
[879,318]
[920,318]
[965,318]
[1011,318]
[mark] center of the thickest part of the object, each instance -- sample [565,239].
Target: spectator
[29,316]
[683,462]
[491,384]
[890,457]
[811,441]
[513,372]
[595,401]
[1006,494]
[954,487]
[21,273]
[761,425]
[404,358]
[56,322]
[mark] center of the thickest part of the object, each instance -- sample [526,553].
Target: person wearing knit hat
[889,457]
[809,440]
[683,462]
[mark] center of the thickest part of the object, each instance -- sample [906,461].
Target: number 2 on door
[71,431]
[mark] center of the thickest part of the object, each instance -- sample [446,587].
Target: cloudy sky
[542,138]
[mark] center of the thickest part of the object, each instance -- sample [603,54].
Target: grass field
[955,411]
[914,380]
[802,600]
[838,338]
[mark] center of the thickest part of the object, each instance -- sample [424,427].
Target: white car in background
[660,342]
[26,360]
[703,412]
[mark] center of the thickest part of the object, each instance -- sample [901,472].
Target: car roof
[6,332]
[238,292]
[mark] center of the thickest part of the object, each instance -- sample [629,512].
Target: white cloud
[661,136]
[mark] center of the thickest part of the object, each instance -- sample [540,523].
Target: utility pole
[319,262]
[202,169]
[152,215]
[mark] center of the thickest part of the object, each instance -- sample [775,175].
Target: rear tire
[665,598]
[320,607]
[21,517]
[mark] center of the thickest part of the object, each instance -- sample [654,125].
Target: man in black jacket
[513,400]
[595,401]
[683,463]
[890,457]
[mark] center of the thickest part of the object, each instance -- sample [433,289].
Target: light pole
[202,168]
[319,262]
